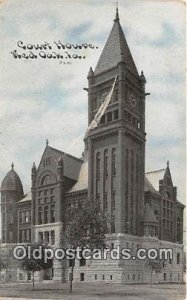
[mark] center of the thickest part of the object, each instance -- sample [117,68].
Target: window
[178,258]
[97,186]
[40,237]
[133,276]
[113,226]
[52,191]
[29,276]
[27,216]
[46,180]
[102,121]
[138,125]
[106,163]
[171,225]
[113,202]
[109,117]
[110,277]
[52,213]
[81,276]
[98,201]
[46,237]
[103,277]
[52,237]
[82,262]
[165,277]
[40,215]
[28,234]
[95,276]
[98,163]
[113,162]
[105,202]
[116,115]
[167,224]
[45,214]
[115,95]
[46,161]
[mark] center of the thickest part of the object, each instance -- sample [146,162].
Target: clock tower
[116,147]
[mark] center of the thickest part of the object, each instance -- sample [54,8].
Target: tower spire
[12,166]
[117,14]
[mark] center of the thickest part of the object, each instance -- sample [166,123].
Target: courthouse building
[143,207]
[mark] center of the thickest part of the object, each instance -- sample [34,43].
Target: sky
[44,99]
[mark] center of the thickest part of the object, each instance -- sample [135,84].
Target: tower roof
[115,48]
[12,182]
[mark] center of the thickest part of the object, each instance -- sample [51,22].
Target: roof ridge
[64,153]
[155,171]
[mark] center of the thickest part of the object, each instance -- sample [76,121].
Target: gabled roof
[149,216]
[153,177]
[82,183]
[115,47]
[71,163]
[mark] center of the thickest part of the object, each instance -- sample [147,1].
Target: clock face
[102,96]
[132,100]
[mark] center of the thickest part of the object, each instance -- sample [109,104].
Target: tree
[31,263]
[156,265]
[85,228]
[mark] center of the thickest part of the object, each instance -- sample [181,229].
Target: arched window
[106,163]
[113,162]
[46,180]
[178,229]
[98,165]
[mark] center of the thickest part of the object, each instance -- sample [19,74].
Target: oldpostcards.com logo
[21,252]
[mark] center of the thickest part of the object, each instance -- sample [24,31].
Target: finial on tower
[167,163]
[47,142]
[117,13]
[12,166]
[90,73]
